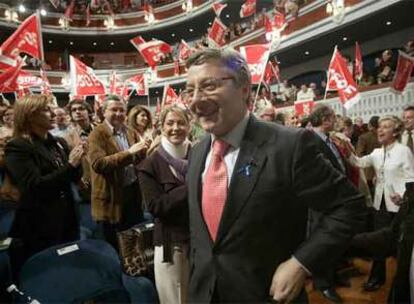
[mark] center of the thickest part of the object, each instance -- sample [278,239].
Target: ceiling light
[50,41]
[112,43]
[71,43]
[388,23]
[43,12]
[191,30]
[94,43]
[209,23]
[345,38]
[227,16]
[22,8]
[307,53]
[172,35]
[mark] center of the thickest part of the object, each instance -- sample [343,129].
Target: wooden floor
[355,294]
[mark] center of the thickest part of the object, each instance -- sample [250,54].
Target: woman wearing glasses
[43,170]
[162,180]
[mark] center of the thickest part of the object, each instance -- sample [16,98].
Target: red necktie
[215,188]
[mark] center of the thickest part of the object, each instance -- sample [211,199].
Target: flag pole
[327,76]
[42,54]
[148,101]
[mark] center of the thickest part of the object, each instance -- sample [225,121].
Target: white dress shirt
[394,166]
[233,138]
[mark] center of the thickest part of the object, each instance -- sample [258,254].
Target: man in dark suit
[250,184]
[323,120]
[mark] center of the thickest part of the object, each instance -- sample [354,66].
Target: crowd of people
[243,207]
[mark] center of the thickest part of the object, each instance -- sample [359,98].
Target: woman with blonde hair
[393,163]
[140,119]
[162,180]
[43,170]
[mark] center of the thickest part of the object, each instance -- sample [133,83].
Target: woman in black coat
[43,170]
[162,181]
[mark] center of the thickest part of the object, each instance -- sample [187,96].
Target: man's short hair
[408,108]
[373,121]
[319,113]
[108,98]
[228,57]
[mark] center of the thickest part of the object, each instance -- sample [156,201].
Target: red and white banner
[83,79]
[218,8]
[45,87]
[68,14]
[139,84]
[169,97]
[117,87]
[26,39]
[248,8]
[27,80]
[256,56]
[271,73]
[176,67]
[304,107]
[184,51]
[403,72]
[216,33]
[22,92]
[152,51]
[340,79]
[6,62]
[8,80]
[358,67]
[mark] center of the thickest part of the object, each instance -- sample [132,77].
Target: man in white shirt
[305,93]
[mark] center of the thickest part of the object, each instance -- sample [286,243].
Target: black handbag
[136,249]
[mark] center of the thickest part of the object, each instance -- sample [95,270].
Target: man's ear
[246,89]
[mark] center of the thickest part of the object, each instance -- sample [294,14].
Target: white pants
[171,279]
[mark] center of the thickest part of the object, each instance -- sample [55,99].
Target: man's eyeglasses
[206,87]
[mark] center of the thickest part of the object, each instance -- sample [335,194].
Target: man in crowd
[61,121]
[113,151]
[323,120]
[250,186]
[408,119]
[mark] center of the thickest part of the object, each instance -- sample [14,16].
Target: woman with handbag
[162,180]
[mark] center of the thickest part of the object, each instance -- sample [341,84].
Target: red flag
[341,80]
[218,8]
[169,97]
[88,15]
[139,84]
[6,62]
[358,68]
[153,51]
[137,41]
[116,86]
[26,39]
[8,80]
[271,72]
[83,79]
[403,72]
[45,87]
[304,107]
[248,8]
[268,28]
[68,14]
[22,92]
[184,51]
[279,20]
[256,56]
[217,32]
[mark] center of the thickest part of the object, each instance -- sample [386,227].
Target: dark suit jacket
[264,217]
[46,214]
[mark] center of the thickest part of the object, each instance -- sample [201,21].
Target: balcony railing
[379,101]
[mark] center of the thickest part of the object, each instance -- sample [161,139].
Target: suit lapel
[113,145]
[246,172]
